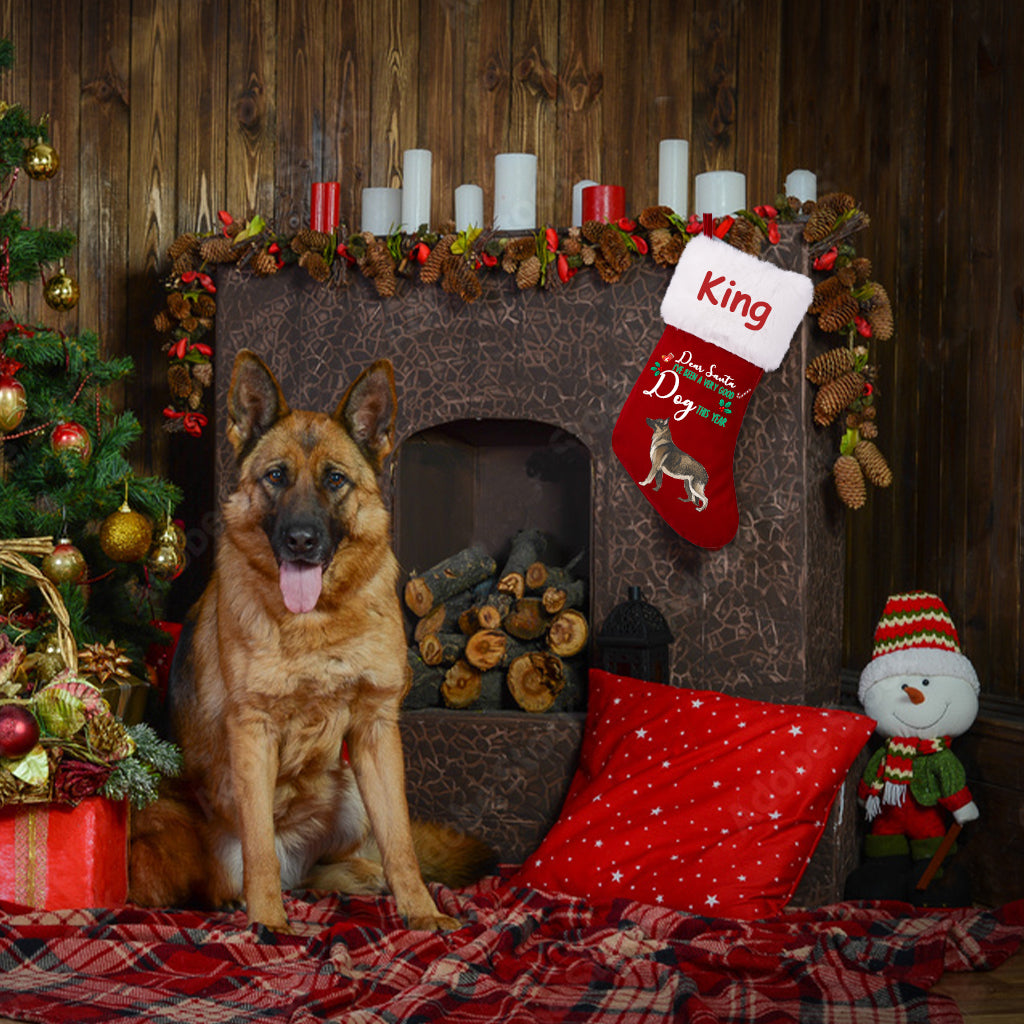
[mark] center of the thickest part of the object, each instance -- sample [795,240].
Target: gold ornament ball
[61,292]
[65,564]
[41,161]
[13,403]
[166,561]
[48,660]
[126,535]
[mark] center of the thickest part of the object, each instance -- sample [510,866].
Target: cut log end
[568,633]
[535,680]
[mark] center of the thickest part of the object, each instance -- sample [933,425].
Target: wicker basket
[13,556]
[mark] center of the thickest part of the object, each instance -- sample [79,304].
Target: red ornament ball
[71,437]
[19,731]
[13,403]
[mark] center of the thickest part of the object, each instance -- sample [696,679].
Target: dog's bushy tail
[450,856]
[169,862]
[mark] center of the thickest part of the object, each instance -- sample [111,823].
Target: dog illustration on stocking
[669,460]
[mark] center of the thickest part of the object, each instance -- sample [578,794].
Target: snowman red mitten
[729,317]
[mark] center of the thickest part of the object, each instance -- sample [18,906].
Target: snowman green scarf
[895,770]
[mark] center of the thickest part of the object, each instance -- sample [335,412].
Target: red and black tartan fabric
[519,958]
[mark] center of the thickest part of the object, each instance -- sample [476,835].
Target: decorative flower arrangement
[63,744]
[60,740]
[846,302]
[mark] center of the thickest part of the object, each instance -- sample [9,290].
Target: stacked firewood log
[508,637]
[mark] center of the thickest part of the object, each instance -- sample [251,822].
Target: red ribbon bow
[192,422]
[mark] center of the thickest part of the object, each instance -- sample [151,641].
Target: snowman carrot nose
[915,695]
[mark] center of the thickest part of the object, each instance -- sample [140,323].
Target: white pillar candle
[469,207]
[515,191]
[577,200]
[416,165]
[803,185]
[674,175]
[382,210]
[719,193]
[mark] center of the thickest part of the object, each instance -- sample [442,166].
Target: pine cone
[592,229]
[666,247]
[184,263]
[828,209]
[878,313]
[873,463]
[522,248]
[430,272]
[835,396]
[163,322]
[867,428]
[847,275]
[528,274]
[655,217]
[264,264]
[827,293]
[607,272]
[217,249]
[183,244]
[109,738]
[861,268]
[571,245]
[203,373]
[839,315]
[306,239]
[315,265]
[743,235]
[178,305]
[179,380]
[460,279]
[205,305]
[849,481]
[829,365]
[615,250]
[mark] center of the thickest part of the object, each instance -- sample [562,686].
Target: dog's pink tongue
[300,585]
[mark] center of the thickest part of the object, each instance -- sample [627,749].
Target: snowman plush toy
[922,692]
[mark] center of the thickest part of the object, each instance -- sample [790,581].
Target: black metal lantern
[634,639]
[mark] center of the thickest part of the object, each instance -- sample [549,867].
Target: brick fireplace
[532,382]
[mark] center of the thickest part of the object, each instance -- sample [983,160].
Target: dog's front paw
[432,923]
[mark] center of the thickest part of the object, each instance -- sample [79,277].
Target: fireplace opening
[509,495]
[481,481]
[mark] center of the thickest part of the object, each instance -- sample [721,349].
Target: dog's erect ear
[255,402]
[368,412]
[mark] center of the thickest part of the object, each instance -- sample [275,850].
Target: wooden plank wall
[164,112]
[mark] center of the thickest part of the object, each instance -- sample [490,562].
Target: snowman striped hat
[916,636]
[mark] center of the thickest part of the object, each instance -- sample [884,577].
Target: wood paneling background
[164,112]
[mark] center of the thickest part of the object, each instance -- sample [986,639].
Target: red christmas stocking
[729,317]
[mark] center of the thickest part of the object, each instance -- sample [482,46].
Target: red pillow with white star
[695,800]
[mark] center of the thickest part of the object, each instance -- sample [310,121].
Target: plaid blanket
[520,957]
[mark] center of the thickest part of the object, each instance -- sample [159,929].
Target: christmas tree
[66,483]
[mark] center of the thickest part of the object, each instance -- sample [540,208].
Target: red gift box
[56,857]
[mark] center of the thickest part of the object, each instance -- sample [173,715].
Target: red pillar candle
[604,202]
[325,206]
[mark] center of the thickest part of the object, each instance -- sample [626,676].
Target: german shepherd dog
[295,648]
[668,460]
